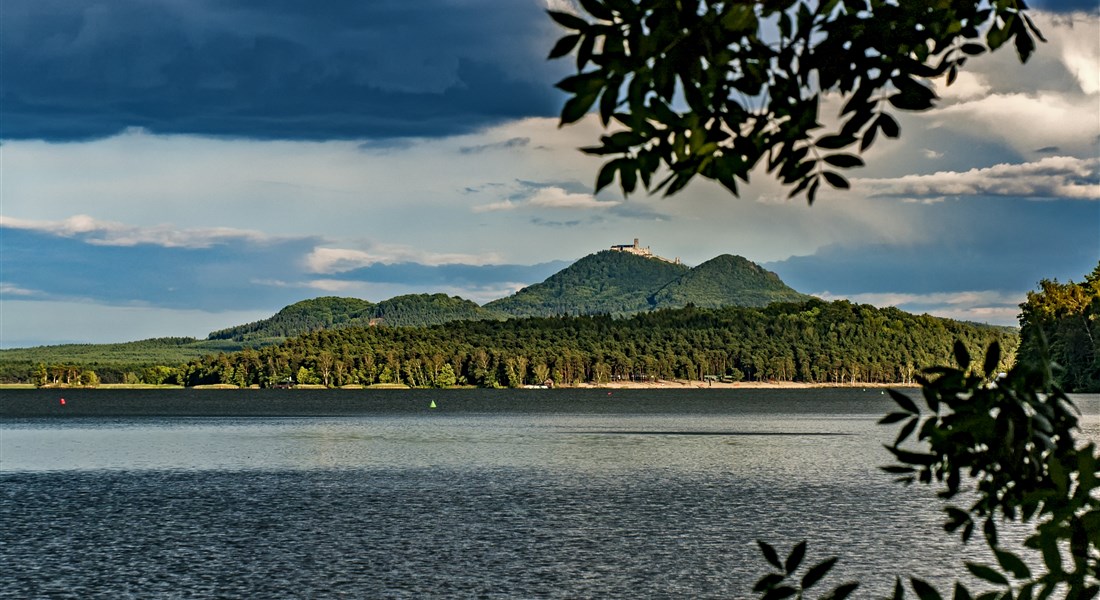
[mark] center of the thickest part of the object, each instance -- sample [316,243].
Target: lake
[492,494]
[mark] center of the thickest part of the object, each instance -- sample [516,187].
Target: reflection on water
[490,495]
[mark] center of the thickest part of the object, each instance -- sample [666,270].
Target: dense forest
[726,280]
[620,283]
[1062,320]
[144,361]
[330,312]
[815,342]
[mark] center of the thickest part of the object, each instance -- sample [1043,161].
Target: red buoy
[62,402]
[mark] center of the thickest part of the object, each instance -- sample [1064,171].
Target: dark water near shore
[509,494]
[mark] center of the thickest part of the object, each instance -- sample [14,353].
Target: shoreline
[660,384]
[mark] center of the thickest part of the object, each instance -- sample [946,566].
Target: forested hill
[332,313]
[814,342]
[726,280]
[302,317]
[607,282]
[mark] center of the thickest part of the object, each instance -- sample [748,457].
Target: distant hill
[417,310]
[331,312]
[726,280]
[302,317]
[607,282]
[617,283]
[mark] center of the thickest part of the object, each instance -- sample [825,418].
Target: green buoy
[432,405]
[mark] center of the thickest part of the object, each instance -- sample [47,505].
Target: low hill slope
[302,317]
[726,280]
[616,283]
[429,309]
[330,312]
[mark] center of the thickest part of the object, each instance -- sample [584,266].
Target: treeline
[1061,322]
[813,342]
[143,361]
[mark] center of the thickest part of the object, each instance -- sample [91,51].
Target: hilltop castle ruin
[637,250]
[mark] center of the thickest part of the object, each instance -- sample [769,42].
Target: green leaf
[768,582]
[962,356]
[899,590]
[914,102]
[997,36]
[769,554]
[986,573]
[961,593]
[836,180]
[894,417]
[835,142]
[564,46]
[795,557]
[912,458]
[608,101]
[740,18]
[584,52]
[844,161]
[868,137]
[575,108]
[992,358]
[607,174]
[628,176]
[817,572]
[779,593]
[1024,44]
[972,49]
[897,470]
[906,431]
[888,126]
[924,590]
[597,9]
[905,402]
[842,591]
[1012,563]
[567,20]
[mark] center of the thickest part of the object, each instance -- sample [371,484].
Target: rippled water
[528,494]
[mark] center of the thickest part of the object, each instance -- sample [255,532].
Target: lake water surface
[493,494]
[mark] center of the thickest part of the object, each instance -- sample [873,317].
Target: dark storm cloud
[76,69]
[982,244]
[1065,6]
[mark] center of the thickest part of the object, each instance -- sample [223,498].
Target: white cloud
[333,285]
[1051,101]
[503,205]
[548,197]
[339,260]
[6,289]
[1027,121]
[110,233]
[1079,51]
[983,306]
[967,86]
[557,198]
[1051,177]
[335,260]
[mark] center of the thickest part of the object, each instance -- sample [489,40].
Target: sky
[173,167]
